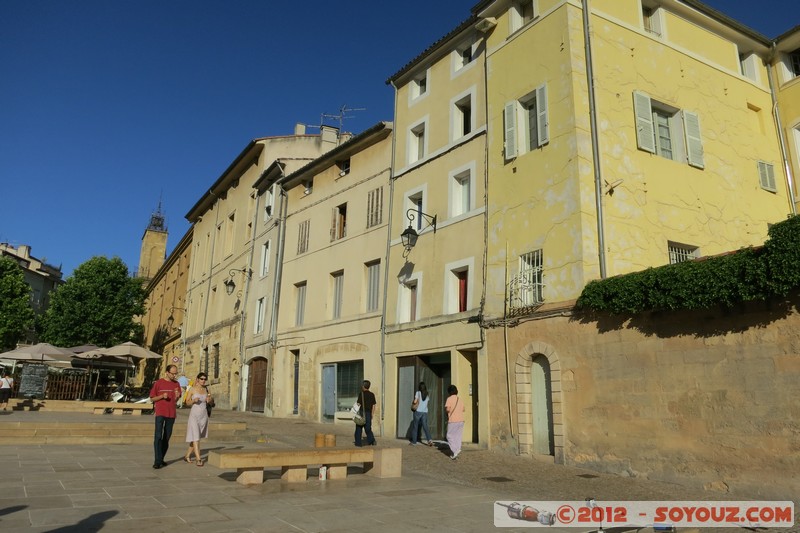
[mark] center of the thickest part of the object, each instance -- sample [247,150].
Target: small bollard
[319,440]
[323,473]
[330,440]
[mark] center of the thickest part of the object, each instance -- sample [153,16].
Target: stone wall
[705,398]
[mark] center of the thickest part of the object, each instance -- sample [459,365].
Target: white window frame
[516,20]
[516,121]
[678,252]
[684,129]
[269,203]
[337,294]
[265,259]
[417,145]
[416,199]
[530,279]
[766,176]
[404,299]
[458,62]
[373,286]
[419,87]
[450,302]
[458,196]
[300,289]
[458,115]
[749,65]
[259,314]
[652,24]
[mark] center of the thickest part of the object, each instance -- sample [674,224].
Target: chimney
[24,251]
[329,135]
[299,129]
[345,136]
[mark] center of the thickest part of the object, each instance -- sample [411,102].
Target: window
[766,176]
[349,377]
[748,62]
[302,236]
[229,233]
[416,144]
[521,13]
[667,131]
[300,307]
[216,361]
[343,166]
[373,285]
[461,193]
[337,279]
[260,310]
[462,116]
[678,253]
[651,20]
[269,202]
[463,56]
[794,62]
[375,207]
[409,301]
[416,202]
[526,123]
[527,287]
[419,85]
[264,267]
[339,222]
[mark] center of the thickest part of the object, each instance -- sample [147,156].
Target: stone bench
[294,463]
[116,408]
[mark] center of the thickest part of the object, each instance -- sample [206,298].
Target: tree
[16,313]
[96,305]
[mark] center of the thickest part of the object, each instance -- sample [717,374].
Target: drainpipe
[210,272]
[786,165]
[505,349]
[386,268]
[598,179]
[243,321]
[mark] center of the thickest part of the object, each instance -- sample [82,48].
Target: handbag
[358,418]
[415,404]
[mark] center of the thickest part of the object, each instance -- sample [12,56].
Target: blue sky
[108,106]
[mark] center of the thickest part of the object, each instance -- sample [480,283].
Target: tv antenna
[341,115]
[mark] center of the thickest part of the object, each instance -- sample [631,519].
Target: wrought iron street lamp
[409,236]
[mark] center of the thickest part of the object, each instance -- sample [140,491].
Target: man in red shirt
[165,395]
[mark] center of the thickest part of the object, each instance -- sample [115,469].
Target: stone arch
[522,381]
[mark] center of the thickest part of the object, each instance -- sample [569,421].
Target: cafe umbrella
[129,350]
[40,353]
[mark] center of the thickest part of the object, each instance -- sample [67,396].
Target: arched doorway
[539,407]
[257,384]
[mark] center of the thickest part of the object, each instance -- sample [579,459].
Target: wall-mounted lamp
[230,285]
[409,235]
[170,318]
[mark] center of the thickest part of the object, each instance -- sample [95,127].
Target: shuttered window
[766,176]
[375,207]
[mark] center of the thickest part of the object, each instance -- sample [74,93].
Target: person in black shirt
[367,401]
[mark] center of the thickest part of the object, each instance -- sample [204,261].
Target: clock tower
[154,246]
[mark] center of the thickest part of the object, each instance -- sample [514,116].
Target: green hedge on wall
[744,275]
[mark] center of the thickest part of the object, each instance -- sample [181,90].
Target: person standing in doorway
[455,420]
[164,394]
[368,402]
[421,399]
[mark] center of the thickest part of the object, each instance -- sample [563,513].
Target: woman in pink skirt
[197,426]
[455,420]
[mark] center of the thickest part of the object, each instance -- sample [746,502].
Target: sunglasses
[202,379]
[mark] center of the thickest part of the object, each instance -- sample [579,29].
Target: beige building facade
[328,336]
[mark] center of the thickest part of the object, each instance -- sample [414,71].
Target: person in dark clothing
[367,401]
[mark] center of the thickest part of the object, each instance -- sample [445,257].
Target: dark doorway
[257,385]
[434,370]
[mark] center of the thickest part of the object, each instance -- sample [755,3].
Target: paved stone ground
[113,488]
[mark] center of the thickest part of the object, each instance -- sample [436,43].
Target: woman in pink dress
[197,426]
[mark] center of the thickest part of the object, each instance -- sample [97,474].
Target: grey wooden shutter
[645,138]
[510,116]
[694,143]
[541,115]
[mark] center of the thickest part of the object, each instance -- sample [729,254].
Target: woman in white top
[421,399]
[6,387]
